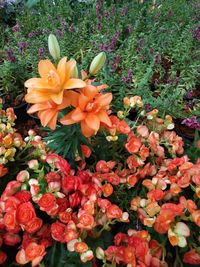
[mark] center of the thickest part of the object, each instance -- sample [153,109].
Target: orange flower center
[54,79]
[92,107]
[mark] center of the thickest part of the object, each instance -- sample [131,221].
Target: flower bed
[99,189]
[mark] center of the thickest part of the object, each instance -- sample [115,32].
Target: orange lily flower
[48,111]
[53,82]
[90,109]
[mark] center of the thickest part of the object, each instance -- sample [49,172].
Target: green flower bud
[54,48]
[74,73]
[97,63]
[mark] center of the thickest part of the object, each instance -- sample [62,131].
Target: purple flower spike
[41,52]
[10,55]
[22,46]
[63,23]
[59,33]
[115,63]
[129,77]
[189,94]
[157,59]
[123,11]
[196,33]
[16,28]
[129,28]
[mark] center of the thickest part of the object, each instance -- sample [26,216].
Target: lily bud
[74,73]
[54,48]
[100,253]
[97,63]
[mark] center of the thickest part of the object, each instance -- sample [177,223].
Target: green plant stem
[178,262]
[87,77]
[22,151]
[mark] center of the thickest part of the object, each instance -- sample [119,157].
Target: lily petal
[74,83]
[78,115]
[61,69]
[52,122]
[38,107]
[83,101]
[44,67]
[67,119]
[46,116]
[103,117]
[71,97]
[69,68]
[101,87]
[57,98]
[87,131]
[38,83]
[35,97]
[105,99]
[90,91]
[92,122]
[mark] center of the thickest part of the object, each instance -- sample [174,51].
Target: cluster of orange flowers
[10,140]
[57,89]
[162,185]
[80,203]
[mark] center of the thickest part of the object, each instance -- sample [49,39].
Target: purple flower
[113,10]
[191,123]
[148,107]
[63,22]
[129,77]
[189,94]
[196,33]
[190,104]
[41,52]
[10,55]
[99,4]
[37,33]
[49,18]
[176,80]
[129,28]
[30,35]
[16,28]
[71,28]
[107,14]
[102,47]
[59,33]
[22,46]
[123,11]
[99,26]
[113,41]
[157,59]
[115,63]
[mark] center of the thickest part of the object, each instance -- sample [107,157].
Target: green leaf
[59,256]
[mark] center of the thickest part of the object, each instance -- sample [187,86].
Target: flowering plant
[10,140]
[128,198]
[50,202]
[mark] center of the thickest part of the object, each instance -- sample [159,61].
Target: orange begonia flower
[90,110]
[48,111]
[53,82]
